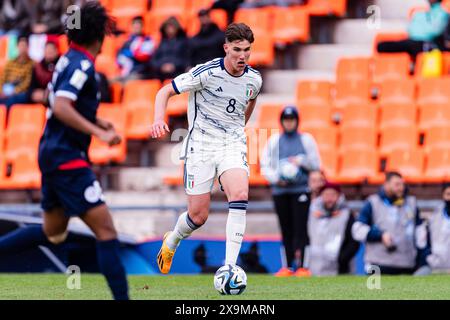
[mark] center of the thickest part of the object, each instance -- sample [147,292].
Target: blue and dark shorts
[76,191]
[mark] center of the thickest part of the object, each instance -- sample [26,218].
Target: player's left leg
[100,222]
[235,184]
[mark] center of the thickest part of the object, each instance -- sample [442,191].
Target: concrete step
[323,57]
[397,9]
[357,31]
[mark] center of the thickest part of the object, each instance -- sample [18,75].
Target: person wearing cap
[434,237]
[387,224]
[286,162]
[331,245]
[207,44]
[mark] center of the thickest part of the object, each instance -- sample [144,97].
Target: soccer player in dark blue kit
[69,187]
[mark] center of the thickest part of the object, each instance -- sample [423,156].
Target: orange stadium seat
[177,105]
[361,138]
[410,163]
[327,7]
[315,117]
[330,163]
[313,93]
[170,7]
[398,138]
[398,116]
[219,17]
[138,100]
[388,36]
[257,19]
[63,44]
[397,92]
[358,165]
[326,137]
[3,51]
[125,10]
[175,179]
[290,24]
[437,137]
[352,93]
[140,90]
[24,130]
[353,69]
[360,116]
[269,116]
[263,52]
[101,153]
[434,115]
[2,127]
[24,173]
[434,91]
[390,67]
[437,168]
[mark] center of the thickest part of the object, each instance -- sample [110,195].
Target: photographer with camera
[387,224]
[286,163]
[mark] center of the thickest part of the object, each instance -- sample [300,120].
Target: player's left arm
[250,107]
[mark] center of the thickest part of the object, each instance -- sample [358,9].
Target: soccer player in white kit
[222,97]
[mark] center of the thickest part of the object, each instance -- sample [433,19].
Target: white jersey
[217,103]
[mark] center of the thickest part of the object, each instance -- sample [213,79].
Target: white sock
[183,229]
[235,230]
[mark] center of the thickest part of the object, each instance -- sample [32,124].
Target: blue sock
[112,268]
[22,239]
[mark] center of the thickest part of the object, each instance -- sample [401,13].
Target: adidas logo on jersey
[219,89]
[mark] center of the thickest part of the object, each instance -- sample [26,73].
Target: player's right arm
[159,127]
[67,114]
[193,80]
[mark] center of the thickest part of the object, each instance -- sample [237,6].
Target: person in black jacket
[171,58]
[207,44]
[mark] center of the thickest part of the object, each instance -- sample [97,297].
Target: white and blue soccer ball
[230,280]
[288,170]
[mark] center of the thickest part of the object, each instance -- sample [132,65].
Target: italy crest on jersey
[249,91]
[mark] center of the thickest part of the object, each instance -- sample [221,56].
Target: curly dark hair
[95,24]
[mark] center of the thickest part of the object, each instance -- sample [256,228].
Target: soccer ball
[288,170]
[230,280]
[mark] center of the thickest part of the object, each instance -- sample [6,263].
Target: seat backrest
[359,163]
[360,138]
[395,92]
[26,118]
[390,67]
[353,69]
[352,93]
[434,91]
[402,115]
[437,137]
[326,137]
[257,19]
[364,115]
[330,163]
[128,7]
[407,162]
[269,116]
[140,90]
[403,138]
[313,93]
[170,6]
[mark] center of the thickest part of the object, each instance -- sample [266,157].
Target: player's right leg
[188,222]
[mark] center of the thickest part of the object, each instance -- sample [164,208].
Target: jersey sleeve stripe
[212,67]
[175,87]
[66,94]
[204,68]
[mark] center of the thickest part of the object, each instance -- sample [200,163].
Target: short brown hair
[239,31]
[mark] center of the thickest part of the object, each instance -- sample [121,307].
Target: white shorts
[202,167]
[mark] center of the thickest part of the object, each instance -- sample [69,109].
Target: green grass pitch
[53,286]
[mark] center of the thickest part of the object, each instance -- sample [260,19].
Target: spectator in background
[14,16]
[316,181]
[42,73]
[286,163]
[434,237]
[425,28]
[48,16]
[387,224]
[171,57]
[15,80]
[134,56]
[331,245]
[207,44]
